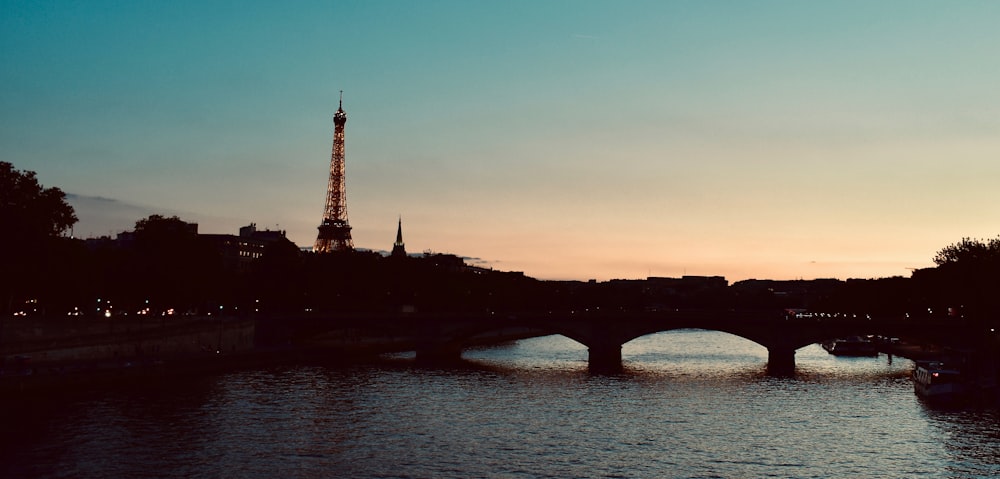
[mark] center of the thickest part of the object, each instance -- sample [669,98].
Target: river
[690,404]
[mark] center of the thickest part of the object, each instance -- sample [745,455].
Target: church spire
[398,248]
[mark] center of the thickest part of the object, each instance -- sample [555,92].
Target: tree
[33,219]
[171,265]
[30,211]
[160,228]
[969,251]
[967,277]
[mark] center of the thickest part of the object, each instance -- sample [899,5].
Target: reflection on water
[689,404]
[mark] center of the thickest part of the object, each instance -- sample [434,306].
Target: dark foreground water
[690,404]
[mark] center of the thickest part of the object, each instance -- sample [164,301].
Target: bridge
[444,336]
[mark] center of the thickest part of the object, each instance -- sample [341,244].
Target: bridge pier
[439,354]
[780,361]
[605,358]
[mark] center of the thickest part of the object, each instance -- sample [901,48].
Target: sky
[565,139]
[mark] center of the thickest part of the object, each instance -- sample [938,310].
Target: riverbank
[44,355]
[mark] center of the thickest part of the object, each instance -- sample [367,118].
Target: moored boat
[933,379]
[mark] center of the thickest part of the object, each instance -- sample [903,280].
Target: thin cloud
[104,216]
[81,198]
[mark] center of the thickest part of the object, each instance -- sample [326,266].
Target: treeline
[166,266]
[964,283]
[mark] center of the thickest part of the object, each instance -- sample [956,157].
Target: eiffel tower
[334,231]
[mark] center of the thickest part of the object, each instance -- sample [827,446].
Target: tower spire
[334,231]
[398,248]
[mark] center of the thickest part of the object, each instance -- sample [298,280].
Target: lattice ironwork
[334,231]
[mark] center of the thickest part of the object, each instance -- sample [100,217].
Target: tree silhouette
[171,265]
[33,218]
[969,251]
[966,279]
[29,210]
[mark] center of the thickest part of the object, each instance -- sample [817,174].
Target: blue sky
[568,140]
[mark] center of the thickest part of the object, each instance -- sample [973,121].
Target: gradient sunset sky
[565,139]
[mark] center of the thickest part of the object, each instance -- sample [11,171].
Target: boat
[852,346]
[933,379]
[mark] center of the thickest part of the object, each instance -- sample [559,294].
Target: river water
[691,404]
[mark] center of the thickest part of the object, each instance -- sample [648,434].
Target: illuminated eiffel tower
[334,231]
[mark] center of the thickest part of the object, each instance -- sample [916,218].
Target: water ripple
[689,404]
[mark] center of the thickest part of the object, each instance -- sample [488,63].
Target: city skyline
[567,140]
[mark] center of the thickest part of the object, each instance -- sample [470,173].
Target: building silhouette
[398,248]
[240,251]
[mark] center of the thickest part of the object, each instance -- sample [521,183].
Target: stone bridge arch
[604,334]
